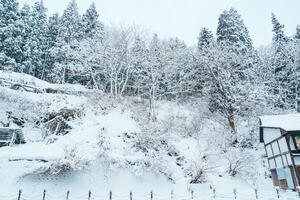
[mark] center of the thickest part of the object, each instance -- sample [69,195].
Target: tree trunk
[233,132]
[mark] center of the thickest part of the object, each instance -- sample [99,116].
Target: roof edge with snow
[288,122]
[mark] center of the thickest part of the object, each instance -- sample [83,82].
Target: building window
[297,141]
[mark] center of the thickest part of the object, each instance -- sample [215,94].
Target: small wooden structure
[281,137]
[10,136]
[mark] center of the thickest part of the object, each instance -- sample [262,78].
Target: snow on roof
[288,122]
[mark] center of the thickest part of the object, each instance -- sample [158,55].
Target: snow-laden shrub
[72,161]
[197,169]
[240,161]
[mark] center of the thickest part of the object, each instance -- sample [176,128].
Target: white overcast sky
[184,18]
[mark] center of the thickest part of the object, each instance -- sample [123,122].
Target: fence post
[44,194]
[19,196]
[256,193]
[214,193]
[192,194]
[234,192]
[110,195]
[277,191]
[172,194]
[130,194]
[90,194]
[68,193]
[151,195]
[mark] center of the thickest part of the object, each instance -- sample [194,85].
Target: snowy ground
[100,150]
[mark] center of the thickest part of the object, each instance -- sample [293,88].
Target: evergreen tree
[297,35]
[52,34]
[70,33]
[91,24]
[138,55]
[282,65]
[205,39]
[53,29]
[70,24]
[26,29]
[36,43]
[232,30]
[278,31]
[153,74]
[10,33]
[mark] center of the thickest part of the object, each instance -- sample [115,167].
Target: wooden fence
[213,195]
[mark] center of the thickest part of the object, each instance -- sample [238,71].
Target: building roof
[288,122]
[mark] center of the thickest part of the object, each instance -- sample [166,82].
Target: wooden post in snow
[151,195]
[19,195]
[90,195]
[68,193]
[214,193]
[234,193]
[130,195]
[44,194]
[172,194]
[110,195]
[277,191]
[256,193]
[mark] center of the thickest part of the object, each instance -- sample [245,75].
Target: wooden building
[10,136]
[281,137]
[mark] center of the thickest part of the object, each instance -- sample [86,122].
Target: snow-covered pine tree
[71,21]
[283,85]
[138,60]
[177,59]
[10,35]
[205,39]
[232,30]
[278,31]
[36,42]
[231,66]
[91,25]
[153,74]
[51,39]
[24,22]
[69,35]
[297,35]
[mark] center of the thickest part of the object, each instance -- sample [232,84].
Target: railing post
[192,194]
[130,195]
[277,191]
[90,194]
[44,194]
[19,195]
[256,193]
[151,195]
[68,193]
[214,193]
[234,192]
[110,195]
[172,194]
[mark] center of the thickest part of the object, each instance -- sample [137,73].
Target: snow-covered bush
[240,161]
[72,161]
[197,169]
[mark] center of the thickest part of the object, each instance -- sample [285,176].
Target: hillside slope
[85,139]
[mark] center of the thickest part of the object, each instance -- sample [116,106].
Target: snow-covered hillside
[104,143]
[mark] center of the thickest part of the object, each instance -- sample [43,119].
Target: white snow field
[110,147]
